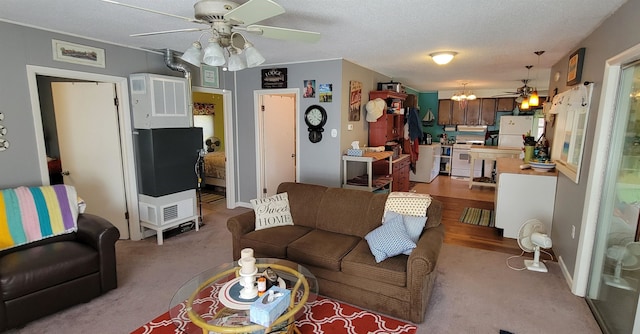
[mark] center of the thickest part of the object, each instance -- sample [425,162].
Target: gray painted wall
[27,46]
[616,34]
[320,163]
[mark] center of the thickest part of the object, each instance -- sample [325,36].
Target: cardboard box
[265,314]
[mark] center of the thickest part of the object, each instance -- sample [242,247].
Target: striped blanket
[28,214]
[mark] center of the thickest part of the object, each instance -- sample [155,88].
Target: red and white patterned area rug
[322,316]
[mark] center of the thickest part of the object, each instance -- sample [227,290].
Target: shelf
[368,182]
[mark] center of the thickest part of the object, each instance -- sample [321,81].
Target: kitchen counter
[512,165]
[490,153]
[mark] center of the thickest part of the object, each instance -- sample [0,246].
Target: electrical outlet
[349,127]
[573,231]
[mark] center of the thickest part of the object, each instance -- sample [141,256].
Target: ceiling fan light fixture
[254,58]
[534,100]
[192,54]
[213,54]
[525,104]
[443,58]
[236,63]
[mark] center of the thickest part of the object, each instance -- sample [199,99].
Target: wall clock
[316,118]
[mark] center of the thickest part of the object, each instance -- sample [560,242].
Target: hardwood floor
[455,196]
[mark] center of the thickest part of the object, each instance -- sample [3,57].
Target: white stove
[468,136]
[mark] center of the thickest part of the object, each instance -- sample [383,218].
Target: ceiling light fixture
[525,97]
[463,96]
[534,99]
[443,57]
[224,48]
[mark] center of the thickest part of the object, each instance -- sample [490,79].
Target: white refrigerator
[512,128]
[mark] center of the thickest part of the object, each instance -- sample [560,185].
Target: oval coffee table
[210,301]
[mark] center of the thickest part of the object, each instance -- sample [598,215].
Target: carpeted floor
[474,292]
[475,216]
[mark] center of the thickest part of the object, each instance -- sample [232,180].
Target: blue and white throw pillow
[413,225]
[389,239]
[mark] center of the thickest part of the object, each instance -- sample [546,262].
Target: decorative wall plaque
[274,78]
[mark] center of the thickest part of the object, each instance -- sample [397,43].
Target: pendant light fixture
[463,96]
[534,99]
[525,102]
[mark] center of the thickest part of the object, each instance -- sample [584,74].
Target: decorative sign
[274,78]
[77,54]
[355,100]
[209,76]
[4,144]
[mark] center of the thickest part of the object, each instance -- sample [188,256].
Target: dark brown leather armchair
[44,277]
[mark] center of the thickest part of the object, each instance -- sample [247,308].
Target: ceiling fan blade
[253,11]
[189,19]
[284,33]
[168,31]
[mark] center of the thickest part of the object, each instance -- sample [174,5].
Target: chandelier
[224,47]
[463,96]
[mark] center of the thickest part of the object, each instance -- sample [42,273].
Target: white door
[87,127]
[278,141]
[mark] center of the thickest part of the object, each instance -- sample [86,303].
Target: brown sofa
[46,276]
[328,238]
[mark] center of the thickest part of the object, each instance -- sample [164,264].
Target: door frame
[229,143]
[257,100]
[597,166]
[125,124]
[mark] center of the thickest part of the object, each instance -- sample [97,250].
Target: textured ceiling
[495,39]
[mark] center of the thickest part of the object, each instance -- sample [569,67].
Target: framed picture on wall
[77,54]
[574,72]
[209,76]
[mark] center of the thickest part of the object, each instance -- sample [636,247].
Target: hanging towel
[415,128]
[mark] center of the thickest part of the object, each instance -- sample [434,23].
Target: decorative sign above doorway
[274,78]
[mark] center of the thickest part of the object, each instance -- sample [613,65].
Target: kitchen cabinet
[522,195]
[444,112]
[389,127]
[472,115]
[372,181]
[488,112]
[457,113]
[506,103]
[399,172]
[427,165]
[476,112]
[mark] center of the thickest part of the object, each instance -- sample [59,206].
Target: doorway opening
[128,224]
[277,133]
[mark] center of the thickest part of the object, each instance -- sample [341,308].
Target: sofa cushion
[407,203]
[360,262]
[37,268]
[390,239]
[304,201]
[35,213]
[322,249]
[273,242]
[272,211]
[351,212]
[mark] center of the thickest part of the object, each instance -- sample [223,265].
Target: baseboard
[565,273]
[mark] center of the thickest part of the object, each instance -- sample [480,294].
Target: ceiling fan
[520,92]
[223,20]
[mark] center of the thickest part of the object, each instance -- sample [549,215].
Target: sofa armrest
[424,257]
[238,226]
[100,234]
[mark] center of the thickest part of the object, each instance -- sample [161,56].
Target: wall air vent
[170,213]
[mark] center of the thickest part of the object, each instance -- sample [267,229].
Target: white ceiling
[495,39]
